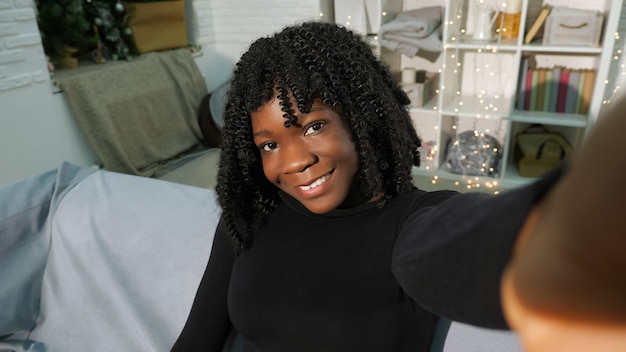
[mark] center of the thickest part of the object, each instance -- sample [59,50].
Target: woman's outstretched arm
[565,287]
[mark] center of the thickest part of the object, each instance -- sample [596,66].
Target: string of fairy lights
[486,99]
[617,72]
[486,106]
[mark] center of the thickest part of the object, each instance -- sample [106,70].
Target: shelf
[549,118]
[477,107]
[429,107]
[470,182]
[512,179]
[493,181]
[471,44]
[467,182]
[565,49]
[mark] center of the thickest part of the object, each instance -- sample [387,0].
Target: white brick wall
[241,21]
[199,22]
[225,29]
[22,60]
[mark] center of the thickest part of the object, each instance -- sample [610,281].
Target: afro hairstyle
[312,60]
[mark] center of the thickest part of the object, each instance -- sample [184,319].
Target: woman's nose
[297,158]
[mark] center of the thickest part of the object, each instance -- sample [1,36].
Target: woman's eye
[269,146]
[314,127]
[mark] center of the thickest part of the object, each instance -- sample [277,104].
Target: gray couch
[93,260]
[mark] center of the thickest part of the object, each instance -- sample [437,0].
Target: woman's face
[314,161]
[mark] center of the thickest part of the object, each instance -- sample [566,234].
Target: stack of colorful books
[556,89]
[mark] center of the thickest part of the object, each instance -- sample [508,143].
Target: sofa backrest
[138,115]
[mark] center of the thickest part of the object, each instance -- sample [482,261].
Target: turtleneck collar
[335,213]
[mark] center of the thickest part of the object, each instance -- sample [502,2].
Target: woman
[324,244]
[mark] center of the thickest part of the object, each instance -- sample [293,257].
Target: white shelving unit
[479,84]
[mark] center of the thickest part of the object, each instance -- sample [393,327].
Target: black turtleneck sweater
[360,279]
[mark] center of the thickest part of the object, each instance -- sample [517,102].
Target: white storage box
[566,26]
[420,93]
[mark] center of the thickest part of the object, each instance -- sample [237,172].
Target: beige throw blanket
[138,114]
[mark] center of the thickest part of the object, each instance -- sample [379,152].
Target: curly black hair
[312,60]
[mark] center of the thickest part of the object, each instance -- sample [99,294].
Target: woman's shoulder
[418,198]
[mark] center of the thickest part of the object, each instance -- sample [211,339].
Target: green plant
[110,19]
[62,23]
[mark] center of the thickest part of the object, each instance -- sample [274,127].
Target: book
[529,86]
[521,91]
[572,91]
[534,89]
[579,89]
[554,90]
[563,82]
[541,88]
[536,26]
[548,89]
[587,92]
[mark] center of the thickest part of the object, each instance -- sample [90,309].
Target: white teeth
[315,183]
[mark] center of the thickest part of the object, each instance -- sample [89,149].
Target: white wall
[37,130]
[238,23]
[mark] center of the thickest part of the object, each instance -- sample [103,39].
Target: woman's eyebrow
[262,133]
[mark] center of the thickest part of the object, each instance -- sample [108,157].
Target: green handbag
[538,150]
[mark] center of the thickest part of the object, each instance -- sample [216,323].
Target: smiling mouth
[315,183]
